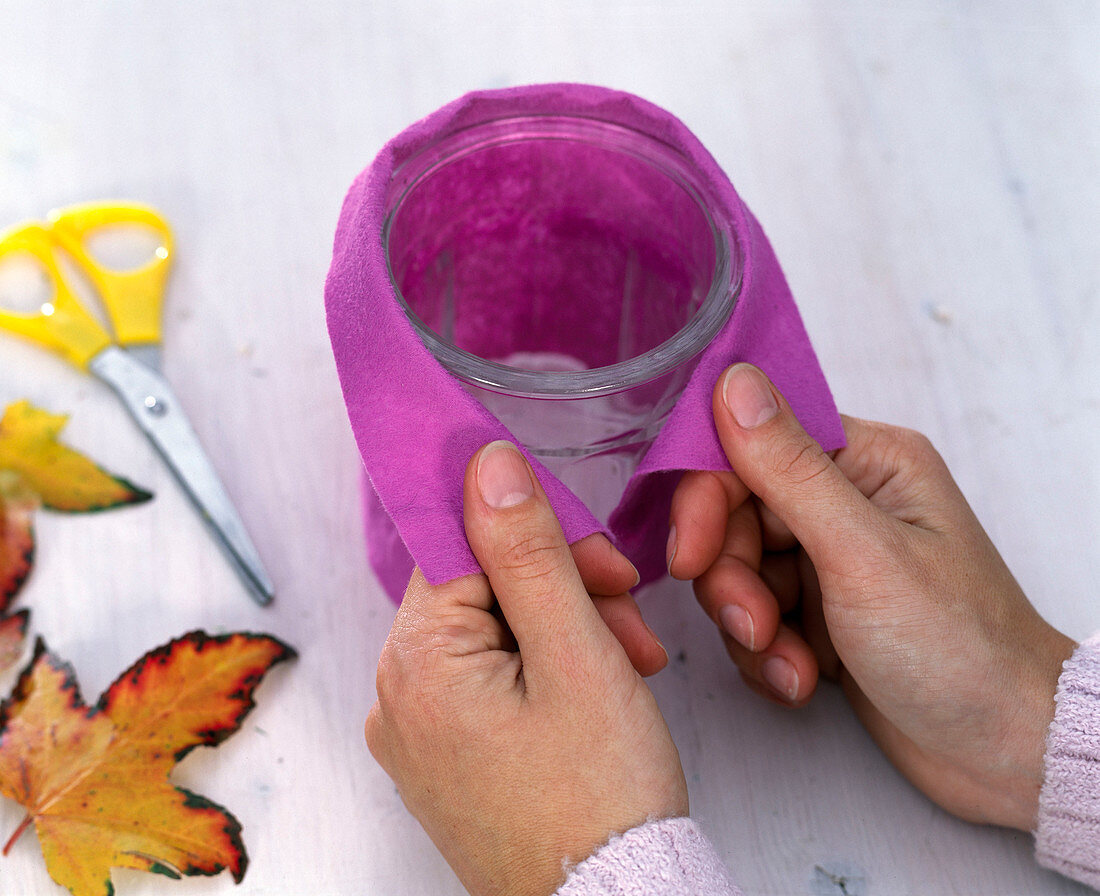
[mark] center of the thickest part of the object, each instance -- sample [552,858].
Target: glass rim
[682,346]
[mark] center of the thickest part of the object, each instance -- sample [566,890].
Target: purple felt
[417,427]
[585,220]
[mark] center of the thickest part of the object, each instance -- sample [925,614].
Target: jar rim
[680,348]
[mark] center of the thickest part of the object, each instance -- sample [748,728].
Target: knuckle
[529,553]
[374,732]
[915,457]
[803,462]
[404,675]
[915,445]
[388,680]
[412,688]
[456,632]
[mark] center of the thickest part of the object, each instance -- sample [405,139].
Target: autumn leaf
[63,479]
[37,470]
[94,780]
[13,631]
[16,536]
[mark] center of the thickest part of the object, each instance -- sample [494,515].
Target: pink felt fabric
[415,425]
[1067,836]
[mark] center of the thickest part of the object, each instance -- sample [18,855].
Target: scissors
[128,361]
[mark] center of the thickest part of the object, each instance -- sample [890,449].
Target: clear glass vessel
[568,271]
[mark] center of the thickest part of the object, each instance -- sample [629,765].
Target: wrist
[543,864]
[1015,797]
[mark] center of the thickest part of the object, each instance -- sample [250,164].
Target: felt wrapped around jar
[569,272]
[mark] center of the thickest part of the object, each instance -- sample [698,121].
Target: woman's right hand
[871,568]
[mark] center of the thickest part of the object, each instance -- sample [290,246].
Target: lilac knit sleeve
[660,858]
[1067,837]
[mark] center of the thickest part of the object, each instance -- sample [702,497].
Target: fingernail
[738,625]
[670,548]
[781,676]
[658,640]
[748,397]
[637,576]
[502,476]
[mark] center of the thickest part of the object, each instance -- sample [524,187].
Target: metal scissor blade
[153,405]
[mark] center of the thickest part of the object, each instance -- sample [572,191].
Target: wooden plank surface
[930,176]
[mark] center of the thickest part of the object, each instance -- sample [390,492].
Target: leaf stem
[23,825]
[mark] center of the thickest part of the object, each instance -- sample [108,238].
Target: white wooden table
[930,176]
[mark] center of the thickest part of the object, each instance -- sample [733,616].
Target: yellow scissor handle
[61,323]
[133,298]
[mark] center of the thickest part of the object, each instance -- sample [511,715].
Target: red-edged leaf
[16,539]
[95,781]
[13,632]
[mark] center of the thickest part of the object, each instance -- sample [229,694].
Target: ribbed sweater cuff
[660,858]
[1067,837]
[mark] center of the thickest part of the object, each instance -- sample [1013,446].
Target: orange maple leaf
[94,780]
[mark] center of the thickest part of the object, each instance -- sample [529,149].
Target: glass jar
[569,272]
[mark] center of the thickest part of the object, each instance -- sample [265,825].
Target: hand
[608,577]
[871,568]
[508,715]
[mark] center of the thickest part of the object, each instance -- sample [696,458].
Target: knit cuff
[660,858]
[1067,837]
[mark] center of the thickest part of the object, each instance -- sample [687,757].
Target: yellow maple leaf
[62,479]
[94,780]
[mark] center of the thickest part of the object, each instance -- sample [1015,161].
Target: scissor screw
[155,406]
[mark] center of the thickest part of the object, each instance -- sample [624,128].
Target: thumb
[518,541]
[782,464]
